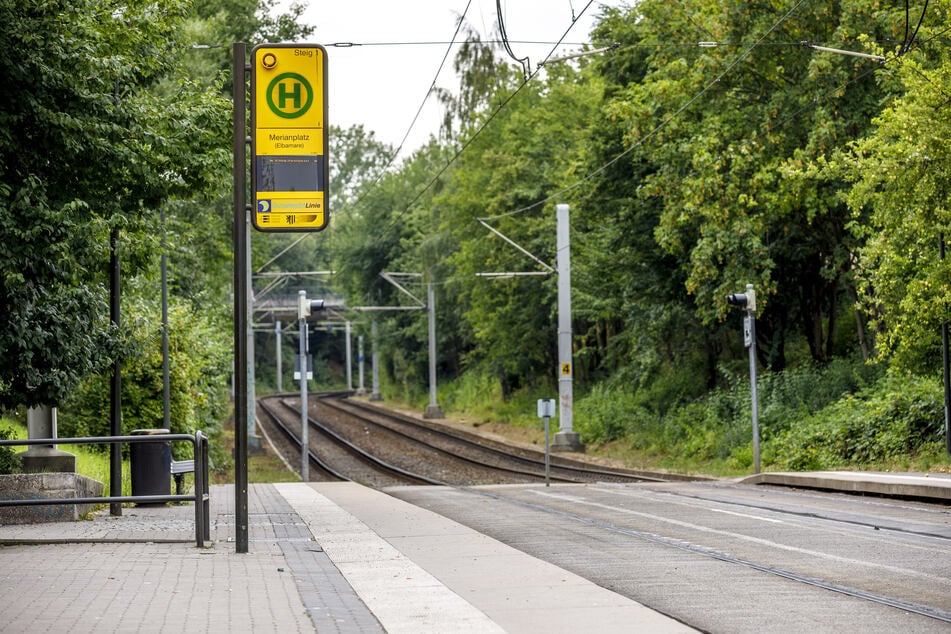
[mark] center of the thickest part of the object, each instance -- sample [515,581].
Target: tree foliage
[902,179]
[112,112]
[706,149]
[85,147]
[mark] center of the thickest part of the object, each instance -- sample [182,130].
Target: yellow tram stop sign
[289,171]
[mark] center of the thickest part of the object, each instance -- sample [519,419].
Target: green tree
[899,199]
[84,147]
[718,125]
[199,361]
[640,324]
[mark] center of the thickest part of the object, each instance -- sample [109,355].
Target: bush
[897,417]
[9,459]
[718,427]
[199,371]
[471,392]
[604,415]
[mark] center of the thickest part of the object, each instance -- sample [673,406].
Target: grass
[90,463]
[262,468]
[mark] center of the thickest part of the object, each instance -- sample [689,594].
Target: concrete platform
[334,557]
[327,557]
[926,486]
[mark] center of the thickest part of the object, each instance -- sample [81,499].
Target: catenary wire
[523,61]
[650,134]
[484,125]
[769,130]
[432,86]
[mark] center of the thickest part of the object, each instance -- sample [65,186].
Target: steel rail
[465,439]
[289,434]
[455,456]
[381,465]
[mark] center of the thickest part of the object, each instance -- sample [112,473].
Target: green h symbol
[283,95]
[289,89]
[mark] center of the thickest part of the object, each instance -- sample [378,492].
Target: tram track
[408,451]
[758,535]
[329,454]
[479,449]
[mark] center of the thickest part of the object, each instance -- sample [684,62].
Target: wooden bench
[179,469]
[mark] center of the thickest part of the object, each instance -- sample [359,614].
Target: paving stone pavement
[142,572]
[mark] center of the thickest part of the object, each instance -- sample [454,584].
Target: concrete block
[31,486]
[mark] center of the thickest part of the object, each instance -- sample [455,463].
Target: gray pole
[240,176]
[41,423]
[375,394]
[432,410]
[548,451]
[115,385]
[277,354]
[349,360]
[304,444]
[753,393]
[166,382]
[566,439]
[360,389]
[749,337]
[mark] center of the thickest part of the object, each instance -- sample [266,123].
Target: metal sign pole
[277,354]
[239,174]
[375,356]
[115,384]
[546,409]
[348,347]
[432,410]
[751,318]
[747,301]
[361,389]
[166,379]
[547,451]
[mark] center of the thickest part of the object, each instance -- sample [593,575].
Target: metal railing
[200,497]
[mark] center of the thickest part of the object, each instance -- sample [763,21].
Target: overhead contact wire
[642,140]
[486,123]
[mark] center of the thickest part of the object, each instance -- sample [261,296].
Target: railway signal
[747,301]
[304,308]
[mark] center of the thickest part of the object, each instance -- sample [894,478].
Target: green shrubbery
[890,422]
[9,460]
[842,414]
[199,371]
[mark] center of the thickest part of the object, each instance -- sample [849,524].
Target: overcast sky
[381,81]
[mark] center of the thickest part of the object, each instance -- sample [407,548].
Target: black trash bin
[151,465]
